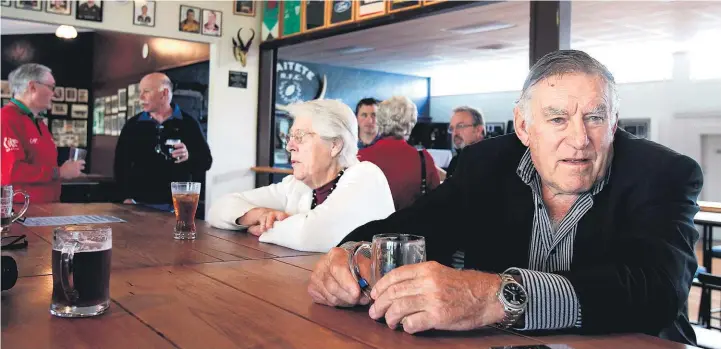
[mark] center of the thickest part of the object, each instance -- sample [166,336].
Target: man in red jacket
[28,153]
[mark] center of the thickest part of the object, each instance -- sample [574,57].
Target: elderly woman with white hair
[329,194]
[410,173]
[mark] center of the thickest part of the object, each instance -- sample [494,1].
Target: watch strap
[511,314]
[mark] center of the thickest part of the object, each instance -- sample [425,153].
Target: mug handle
[355,270]
[66,271]
[25,205]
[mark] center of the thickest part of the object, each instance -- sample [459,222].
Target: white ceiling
[421,46]
[12,26]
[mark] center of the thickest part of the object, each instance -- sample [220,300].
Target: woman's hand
[266,220]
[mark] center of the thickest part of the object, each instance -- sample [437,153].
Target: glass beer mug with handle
[81,270]
[388,251]
[6,204]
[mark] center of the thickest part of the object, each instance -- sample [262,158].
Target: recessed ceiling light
[479,28]
[353,50]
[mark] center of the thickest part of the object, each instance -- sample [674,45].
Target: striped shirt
[552,301]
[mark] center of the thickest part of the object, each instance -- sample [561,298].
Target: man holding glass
[158,146]
[571,224]
[28,152]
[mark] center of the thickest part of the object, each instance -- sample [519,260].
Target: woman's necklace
[314,203]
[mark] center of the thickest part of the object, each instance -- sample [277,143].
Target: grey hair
[22,75]
[332,120]
[567,62]
[396,117]
[475,113]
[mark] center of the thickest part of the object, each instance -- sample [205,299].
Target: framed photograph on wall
[34,5]
[212,22]
[59,7]
[291,18]
[71,94]
[83,96]
[59,94]
[5,89]
[340,12]
[59,109]
[79,111]
[122,99]
[89,10]
[6,3]
[244,8]
[313,15]
[144,13]
[270,27]
[369,9]
[189,19]
[402,5]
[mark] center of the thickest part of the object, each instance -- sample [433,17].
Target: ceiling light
[353,50]
[66,32]
[480,28]
[491,47]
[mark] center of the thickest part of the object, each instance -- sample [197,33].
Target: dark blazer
[633,259]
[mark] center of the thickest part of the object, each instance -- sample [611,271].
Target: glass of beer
[6,207]
[185,202]
[81,270]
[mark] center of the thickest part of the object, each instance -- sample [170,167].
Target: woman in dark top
[409,172]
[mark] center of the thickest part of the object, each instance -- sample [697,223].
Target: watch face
[514,294]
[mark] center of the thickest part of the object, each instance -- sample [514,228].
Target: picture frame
[431,2]
[291,18]
[83,95]
[5,89]
[34,5]
[212,22]
[6,3]
[270,25]
[71,94]
[187,22]
[144,13]
[59,109]
[89,10]
[369,9]
[244,8]
[495,129]
[123,99]
[79,111]
[59,7]
[314,15]
[58,94]
[403,5]
[339,12]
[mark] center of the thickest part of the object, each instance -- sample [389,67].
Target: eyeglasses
[14,242]
[298,136]
[458,127]
[51,87]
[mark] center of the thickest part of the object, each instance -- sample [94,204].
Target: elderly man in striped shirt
[571,225]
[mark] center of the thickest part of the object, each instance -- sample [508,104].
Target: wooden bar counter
[223,290]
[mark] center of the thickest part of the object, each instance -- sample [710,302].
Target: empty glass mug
[81,270]
[185,203]
[388,251]
[6,205]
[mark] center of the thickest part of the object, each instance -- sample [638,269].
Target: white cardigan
[361,195]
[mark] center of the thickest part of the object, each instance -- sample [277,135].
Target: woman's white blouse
[361,195]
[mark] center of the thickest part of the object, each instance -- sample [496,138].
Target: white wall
[681,110]
[232,114]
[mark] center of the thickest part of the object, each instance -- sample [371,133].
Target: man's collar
[527,171]
[24,109]
[361,145]
[177,114]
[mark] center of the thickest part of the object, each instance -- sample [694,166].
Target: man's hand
[429,295]
[71,169]
[180,154]
[332,282]
[266,221]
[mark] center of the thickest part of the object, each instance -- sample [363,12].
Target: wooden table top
[709,206]
[223,290]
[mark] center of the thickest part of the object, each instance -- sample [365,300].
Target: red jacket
[28,155]
[400,163]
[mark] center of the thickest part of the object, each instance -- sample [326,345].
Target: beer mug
[185,203]
[81,270]
[6,205]
[388,251]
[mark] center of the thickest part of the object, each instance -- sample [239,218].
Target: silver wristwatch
[514,299]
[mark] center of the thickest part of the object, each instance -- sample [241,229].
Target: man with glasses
[28,152]
[158,146]
[466,128]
